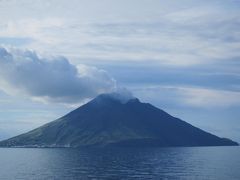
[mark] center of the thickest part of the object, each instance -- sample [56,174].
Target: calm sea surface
[121,163]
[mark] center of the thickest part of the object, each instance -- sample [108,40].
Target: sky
[181,56]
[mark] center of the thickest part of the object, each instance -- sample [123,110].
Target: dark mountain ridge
[111,120]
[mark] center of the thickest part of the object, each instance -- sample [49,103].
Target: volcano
[108,120]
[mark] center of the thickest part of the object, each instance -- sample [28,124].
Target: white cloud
[52,79]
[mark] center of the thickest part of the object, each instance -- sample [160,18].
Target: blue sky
[181,56]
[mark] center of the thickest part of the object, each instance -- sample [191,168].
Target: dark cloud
[52,79]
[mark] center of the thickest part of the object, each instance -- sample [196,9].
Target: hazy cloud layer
[185,33]
[52,79]
[190,97]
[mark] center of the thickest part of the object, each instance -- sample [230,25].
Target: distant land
[110,120]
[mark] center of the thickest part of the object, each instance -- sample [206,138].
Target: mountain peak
[116,119]
[116,97]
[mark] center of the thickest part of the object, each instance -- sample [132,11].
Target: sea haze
[120,163]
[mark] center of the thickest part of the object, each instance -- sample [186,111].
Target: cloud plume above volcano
[52,79]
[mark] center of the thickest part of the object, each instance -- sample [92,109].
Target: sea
[203,163]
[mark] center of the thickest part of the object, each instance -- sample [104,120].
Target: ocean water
[120,163]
